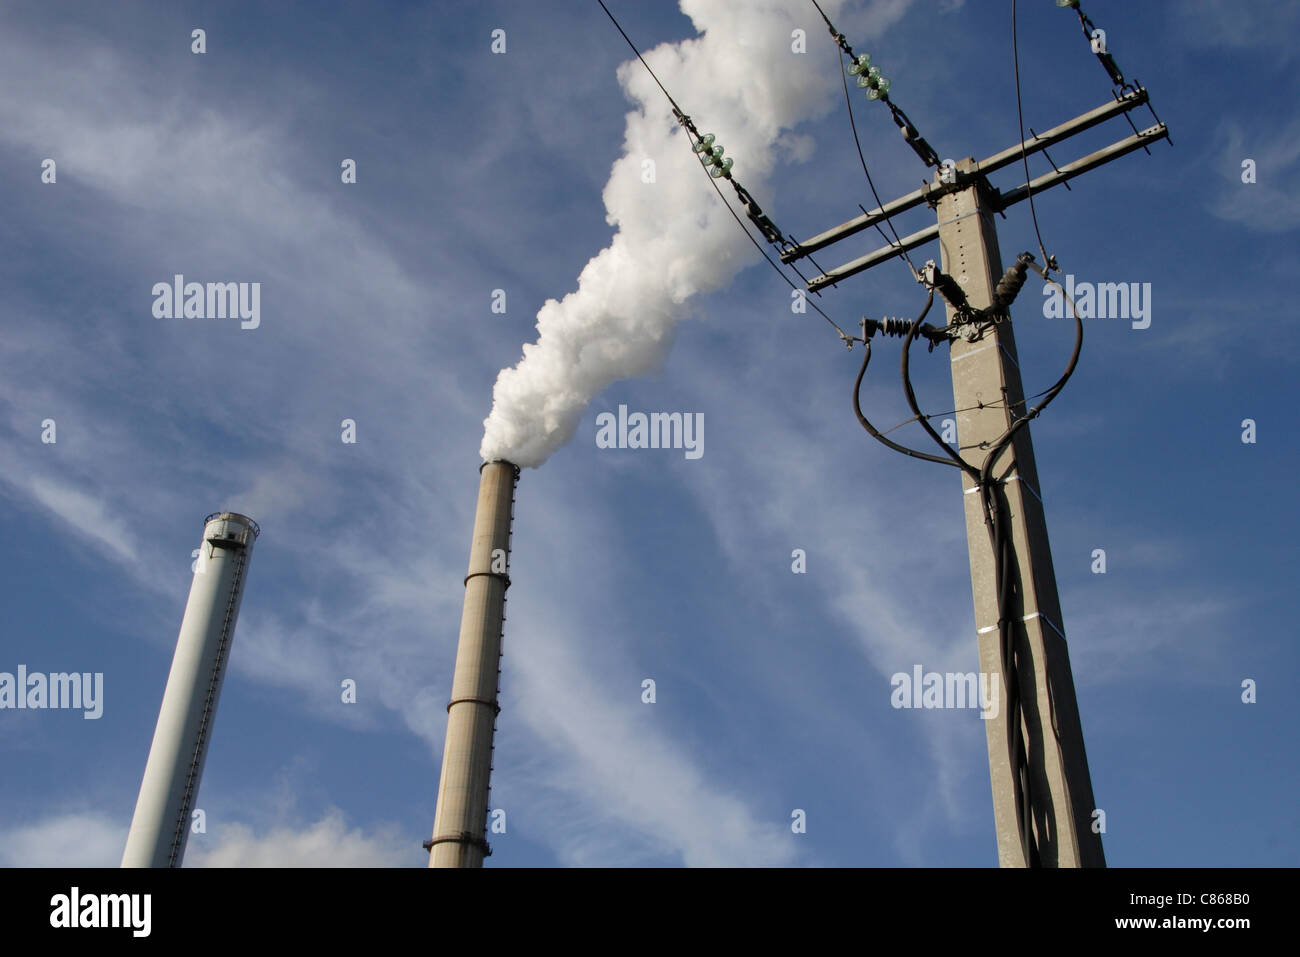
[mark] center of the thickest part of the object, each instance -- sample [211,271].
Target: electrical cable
[1103,56]
[866,424]
[639,56]
[996,521]
[993,503]
[857,141]
[960,462]
[829,26]
[1000,541]
[910,134]
[880,90]
[678,112]
[1051,392]
[970,408]
[1024,156]
[843,335]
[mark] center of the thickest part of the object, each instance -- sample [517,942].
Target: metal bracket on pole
[926,194]
[1000,201]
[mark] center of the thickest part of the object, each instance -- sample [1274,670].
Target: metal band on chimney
[464,838]
[499,576]
[496,708]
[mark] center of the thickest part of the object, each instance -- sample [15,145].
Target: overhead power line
[857,141]
[713,157]
[877,87]
[1048,261]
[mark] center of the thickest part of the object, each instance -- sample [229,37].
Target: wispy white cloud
[89,517]
[1262,28]
[94,839]
[1175,634]
[1270,204]
[607,768]
[328,842]
[84,839]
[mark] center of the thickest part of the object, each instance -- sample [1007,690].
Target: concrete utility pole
[459,823]
[986,371]
[161,824]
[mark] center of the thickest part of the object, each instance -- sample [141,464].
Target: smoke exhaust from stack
[756,69]
[160,826]
[459,824]
[748,78]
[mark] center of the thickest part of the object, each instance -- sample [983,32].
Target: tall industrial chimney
[161,823]
[459,822]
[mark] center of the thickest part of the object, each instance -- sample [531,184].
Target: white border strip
[975,352]
[1011,478]
[1038,614]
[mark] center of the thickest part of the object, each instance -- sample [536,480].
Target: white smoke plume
[740,79]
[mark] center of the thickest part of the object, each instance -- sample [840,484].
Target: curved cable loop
[957,460]
[1051,393]
[875,433]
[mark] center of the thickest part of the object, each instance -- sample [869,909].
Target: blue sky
[481,171]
